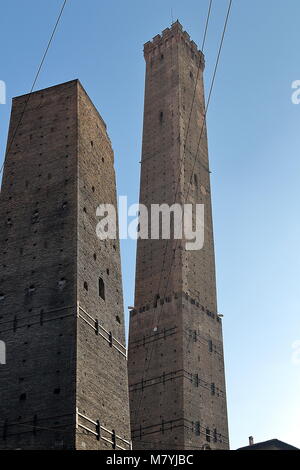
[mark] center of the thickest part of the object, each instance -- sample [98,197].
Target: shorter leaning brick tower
[64,384]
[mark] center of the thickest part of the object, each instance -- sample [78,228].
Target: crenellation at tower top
[170,36]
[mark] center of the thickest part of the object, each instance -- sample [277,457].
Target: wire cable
[188,128]
[35,80]
[184,149]
[206,25]
[148,360]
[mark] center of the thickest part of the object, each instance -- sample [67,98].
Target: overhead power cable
[34,81]
[156,323]
[188,126]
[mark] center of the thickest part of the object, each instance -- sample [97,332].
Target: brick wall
[54,177]
[175,342]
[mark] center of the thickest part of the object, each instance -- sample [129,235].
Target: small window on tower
[157,297]
[161,116]
[31,289]
[101,288]
[195,180]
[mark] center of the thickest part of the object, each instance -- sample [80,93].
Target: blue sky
[254,146]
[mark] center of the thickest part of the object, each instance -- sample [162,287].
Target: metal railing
[102,433]
[101,331]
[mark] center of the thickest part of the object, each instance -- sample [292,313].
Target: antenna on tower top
[172,18]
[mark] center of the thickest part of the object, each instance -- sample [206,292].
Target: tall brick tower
[64,384]
[176,365]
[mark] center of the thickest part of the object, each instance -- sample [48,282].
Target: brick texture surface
[58,169]
[176,365]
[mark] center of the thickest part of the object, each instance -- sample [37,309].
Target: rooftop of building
[75,81]
[272,444]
